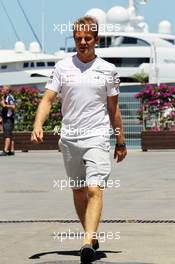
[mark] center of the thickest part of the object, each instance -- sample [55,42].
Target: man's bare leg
[12,145]
[7,144]
[88,204]
[93,213]
[80,202]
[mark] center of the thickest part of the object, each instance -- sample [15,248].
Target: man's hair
[86,23]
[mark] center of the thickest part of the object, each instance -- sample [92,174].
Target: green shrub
[141,77]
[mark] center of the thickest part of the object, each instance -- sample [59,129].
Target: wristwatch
[120,145]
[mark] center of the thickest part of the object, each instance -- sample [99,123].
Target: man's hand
[120,153]
[41,116]
[37,135]
[3,103]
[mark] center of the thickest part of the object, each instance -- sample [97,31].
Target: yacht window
[104,42]
[127,62]
[3,67]
[129,80]
[50,63]
[40,64]
[128,41]
[170,40]
[32,64]
[25,65]
[71,49]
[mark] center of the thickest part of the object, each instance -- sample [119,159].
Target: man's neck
[86,59]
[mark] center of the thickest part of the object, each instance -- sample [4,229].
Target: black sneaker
[87,254]
[11,153]
[95,245]
[3,154]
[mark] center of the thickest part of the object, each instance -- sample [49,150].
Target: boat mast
[11,22]
[43,31]
[30,25]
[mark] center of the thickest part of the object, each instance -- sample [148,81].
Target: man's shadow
[99,254]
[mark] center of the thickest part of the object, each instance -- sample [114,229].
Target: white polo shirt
[83,88]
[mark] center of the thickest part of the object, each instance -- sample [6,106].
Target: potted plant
[157,114]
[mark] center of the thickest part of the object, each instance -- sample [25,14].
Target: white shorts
[87,161]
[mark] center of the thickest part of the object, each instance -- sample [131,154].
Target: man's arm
[41,115]
[117,125]
[9,106]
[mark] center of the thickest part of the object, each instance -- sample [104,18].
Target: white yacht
[129,45]
[138,53]
[134,50]
[19,66]
[125,41]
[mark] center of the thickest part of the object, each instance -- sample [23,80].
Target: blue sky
[57,12]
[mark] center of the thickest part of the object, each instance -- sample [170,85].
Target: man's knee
[80,192]
[94,191]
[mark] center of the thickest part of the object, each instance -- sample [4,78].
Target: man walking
[89,88]
[7,114]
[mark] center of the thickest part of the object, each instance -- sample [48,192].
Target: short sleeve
[11,100]
[113,83]
[54,82]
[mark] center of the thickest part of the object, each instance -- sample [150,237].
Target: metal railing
[129,106]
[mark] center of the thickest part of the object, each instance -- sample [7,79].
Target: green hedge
[27,100]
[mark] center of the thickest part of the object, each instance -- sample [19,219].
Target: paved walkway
[142,189]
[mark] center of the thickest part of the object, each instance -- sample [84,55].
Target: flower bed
[27,100]
[157,114]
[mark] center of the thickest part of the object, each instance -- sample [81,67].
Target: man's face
[85,42]
[5,90]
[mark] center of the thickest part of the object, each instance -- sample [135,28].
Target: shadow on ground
[99,255]
[96,262]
